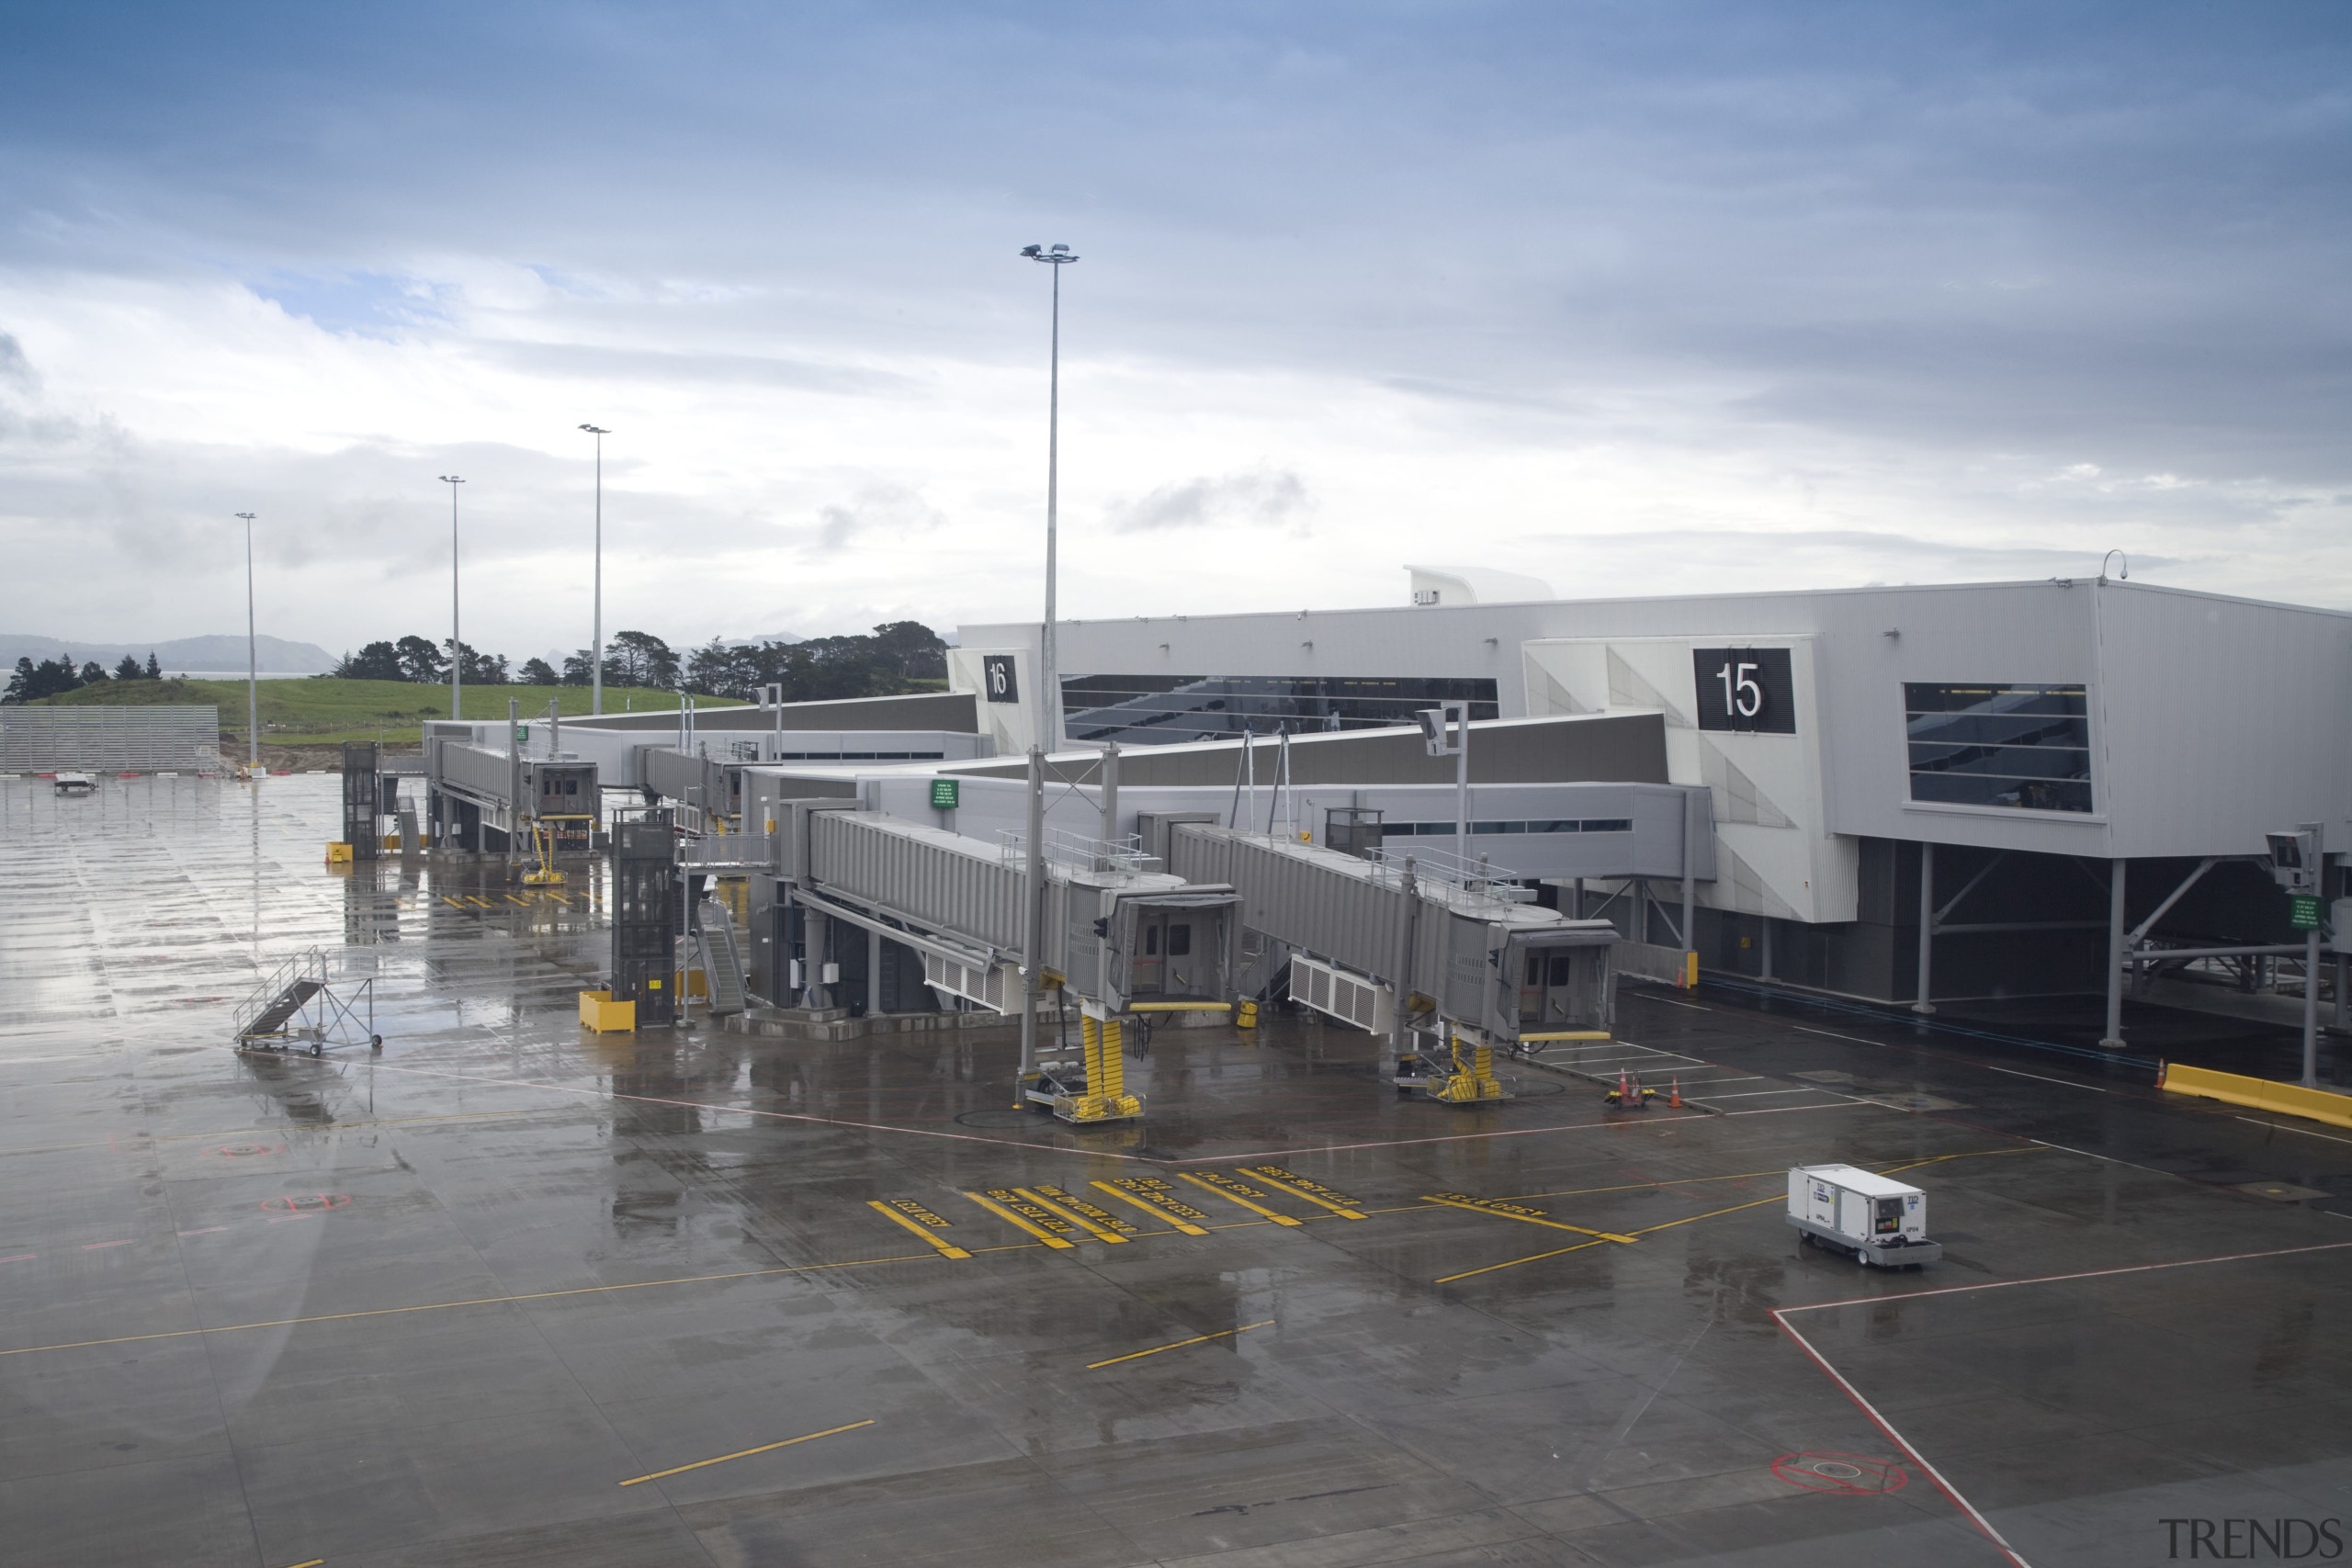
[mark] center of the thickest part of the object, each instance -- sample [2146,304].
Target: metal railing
[1479,877]
[1119,857]
[726,851]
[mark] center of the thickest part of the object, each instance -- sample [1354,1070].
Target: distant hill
[278,655]
[758,638]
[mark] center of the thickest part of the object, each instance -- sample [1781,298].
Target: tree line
[53,677]
[891,659]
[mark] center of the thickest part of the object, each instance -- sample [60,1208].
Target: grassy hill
[324,711]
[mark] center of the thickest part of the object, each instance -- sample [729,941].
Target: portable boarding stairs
[722,962]
[301,1001]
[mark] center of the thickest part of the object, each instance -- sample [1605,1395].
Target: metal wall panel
[110,739]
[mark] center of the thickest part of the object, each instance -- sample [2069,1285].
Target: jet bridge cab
[1519,986]
[1134,955]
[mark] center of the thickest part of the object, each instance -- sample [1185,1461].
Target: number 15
[1746,698]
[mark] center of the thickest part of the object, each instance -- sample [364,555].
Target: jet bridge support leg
[1471,1080]
[1107,1098]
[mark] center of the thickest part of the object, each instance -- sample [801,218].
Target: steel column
[2113,1040]
[1927,926]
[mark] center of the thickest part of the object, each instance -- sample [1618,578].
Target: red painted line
[1881,1422]
[95,1246]
[2055,1279]
[21,1258]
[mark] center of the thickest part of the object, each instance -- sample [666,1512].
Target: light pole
[253,658]
[457,649]
[1049,697]
[596,636]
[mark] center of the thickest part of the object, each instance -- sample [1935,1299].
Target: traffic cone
[1674,1096]
[1624,1087]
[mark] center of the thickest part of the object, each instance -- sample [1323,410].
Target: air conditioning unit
[1336,993]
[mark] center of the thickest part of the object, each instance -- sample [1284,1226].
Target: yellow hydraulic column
[1470,1082]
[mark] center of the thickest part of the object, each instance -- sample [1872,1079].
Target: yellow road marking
[947,1249]
[476,1301]
[746,1453]
[313,1563]
[1001,1213]
[1283,1181]
[1196,1339]
[1185,1227]
[1237,1198]
[1098,1232]
[1513,1263]
[1528,1219]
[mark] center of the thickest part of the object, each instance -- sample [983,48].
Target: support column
[2311,1008]
[2342,1003]
[1927,926]
[2113,1041]
[1768,924]
[1578,913]
[1689,977]
[874,973]
[1032,922]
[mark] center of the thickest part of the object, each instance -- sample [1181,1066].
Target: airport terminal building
[2059,781]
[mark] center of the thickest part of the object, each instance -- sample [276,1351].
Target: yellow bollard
[1245,1015]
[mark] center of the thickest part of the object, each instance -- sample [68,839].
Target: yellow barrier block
[338,854]
[2260,1094]
[600,1012]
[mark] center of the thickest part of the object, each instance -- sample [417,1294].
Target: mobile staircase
[301,1001]
[720,960]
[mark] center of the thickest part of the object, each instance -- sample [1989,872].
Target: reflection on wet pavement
[509,1291]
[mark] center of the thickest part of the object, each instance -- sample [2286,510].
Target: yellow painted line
[1570,1034]
[1196,1339]
[1280,1185]
[746,1453]
[1185,1227]
[1532,1220]
[1001,1213]
[1237,1198]
[313,1563]
[1736,1207]
[1538,1257]
[946,1248]
[478,1301]
[1070,1216]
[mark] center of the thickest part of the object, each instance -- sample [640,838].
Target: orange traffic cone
[1624,1087]
[1674,1094]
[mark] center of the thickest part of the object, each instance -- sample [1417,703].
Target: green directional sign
[2303,911]
[945,794]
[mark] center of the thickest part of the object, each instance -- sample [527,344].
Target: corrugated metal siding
[929,877]
[110,739]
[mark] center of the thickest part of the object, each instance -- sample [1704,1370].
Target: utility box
[1883,1224]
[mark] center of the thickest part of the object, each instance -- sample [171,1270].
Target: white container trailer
[1882,1223]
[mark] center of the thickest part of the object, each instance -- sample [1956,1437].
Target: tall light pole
[456,647]
[1049,696]
[596,636]
[253,658]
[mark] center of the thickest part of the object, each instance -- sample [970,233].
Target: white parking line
[1759,1093]
[2306,1132]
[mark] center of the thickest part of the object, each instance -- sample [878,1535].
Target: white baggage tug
[1882,1223]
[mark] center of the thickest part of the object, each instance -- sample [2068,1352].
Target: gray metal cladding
[676,775]
[489,774]
[933,878]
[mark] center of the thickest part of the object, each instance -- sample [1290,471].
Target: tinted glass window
[1180,940]
[1160,710]
[2022,746]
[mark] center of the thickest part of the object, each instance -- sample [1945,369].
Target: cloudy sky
[1630,297]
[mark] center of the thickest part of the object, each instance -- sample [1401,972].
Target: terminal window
[2027,747]
[1162,710]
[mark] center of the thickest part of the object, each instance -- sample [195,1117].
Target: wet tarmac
[507,1293]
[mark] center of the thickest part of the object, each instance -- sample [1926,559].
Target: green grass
[327,711]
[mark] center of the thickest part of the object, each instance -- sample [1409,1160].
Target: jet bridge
[1380,943]
[1121,939]
[481,798]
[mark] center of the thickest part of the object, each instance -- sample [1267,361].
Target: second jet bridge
[1474,968]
